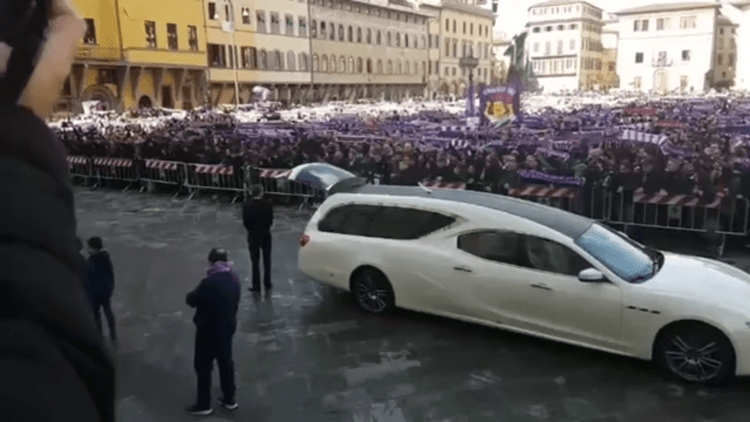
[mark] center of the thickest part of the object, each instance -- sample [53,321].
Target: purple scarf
[219,267]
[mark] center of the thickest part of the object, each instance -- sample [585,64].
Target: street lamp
[470,63]
[229,27]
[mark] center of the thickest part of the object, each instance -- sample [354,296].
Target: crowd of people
[707,149]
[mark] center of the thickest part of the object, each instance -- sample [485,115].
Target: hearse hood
[326,177]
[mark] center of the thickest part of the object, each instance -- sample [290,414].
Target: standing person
[101,279]
[257,216]
[216,300]
[82,265]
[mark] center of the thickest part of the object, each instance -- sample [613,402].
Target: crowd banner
[215,177]
[498,104]
[114,169]
[79,167]
[170,173]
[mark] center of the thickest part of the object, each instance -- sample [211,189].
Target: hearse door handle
[541,286]
[466,270]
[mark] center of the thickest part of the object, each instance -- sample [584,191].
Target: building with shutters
[138,53]
[465,31]
[681,47]
[271,49]
[564,45]
[368,50]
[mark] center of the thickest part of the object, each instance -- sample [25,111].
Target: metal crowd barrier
[114,169]
[79,167]
[565,198]
[214,178]
[439,184]
[171,173]
[723,216]
[275,183]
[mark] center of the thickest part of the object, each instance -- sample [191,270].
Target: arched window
[351,34]
[291,62]
[406,68]
[399,69]
[279,60]
[332,66]
[324,63]
[378,38]
[369,36]
[342,65]
[351,65]
[360,68]
[389,69]
[341,33]
[379,68]
[315,62]
[424,42]
[398,39]
[303,61]
[388,39]
[332,28]
[416,68]
[314,29]
[359,34]
[323,33]
[406,40]
[263,60]
[369,66]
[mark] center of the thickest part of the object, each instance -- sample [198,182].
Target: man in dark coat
[216,300]
[257,216]
[101,284]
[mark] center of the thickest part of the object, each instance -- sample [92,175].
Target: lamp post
[233,53]
[470,63]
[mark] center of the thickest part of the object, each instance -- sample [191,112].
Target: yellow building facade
[271,49]
[369,50]
[139,53]
[466,30]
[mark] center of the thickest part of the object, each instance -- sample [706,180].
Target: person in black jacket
[55,366]
[216,301]
[257,216]
[101,284]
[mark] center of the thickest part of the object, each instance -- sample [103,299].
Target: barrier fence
[721,215]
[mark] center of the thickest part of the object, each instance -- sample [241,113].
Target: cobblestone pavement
[305,353]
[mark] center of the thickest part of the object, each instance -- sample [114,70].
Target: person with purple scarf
[216,301]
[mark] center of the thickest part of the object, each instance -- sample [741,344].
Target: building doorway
[661,81]
[144,102]
[166,97]
[187,98]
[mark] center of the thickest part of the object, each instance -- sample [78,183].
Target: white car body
[430,274]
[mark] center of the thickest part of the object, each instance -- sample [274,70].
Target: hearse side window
[546,255]
[498,246]
[384,222]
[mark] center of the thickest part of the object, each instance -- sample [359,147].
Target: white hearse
[529,268]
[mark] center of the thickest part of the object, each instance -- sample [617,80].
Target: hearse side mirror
[591,275]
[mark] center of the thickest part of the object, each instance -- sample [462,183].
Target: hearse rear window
[386,222]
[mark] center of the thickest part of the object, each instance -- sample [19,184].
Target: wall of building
[564,45]
[453,79]
[726,54]
[673,40]
[741,17]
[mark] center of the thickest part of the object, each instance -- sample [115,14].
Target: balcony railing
[95,52]
[661,63]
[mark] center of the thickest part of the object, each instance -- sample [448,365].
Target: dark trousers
[104,302]
[258,243]
[210,347]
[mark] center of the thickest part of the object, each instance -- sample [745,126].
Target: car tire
[696,353]
[372,292]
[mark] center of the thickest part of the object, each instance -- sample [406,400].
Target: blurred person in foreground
[55,365]
[216,301]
